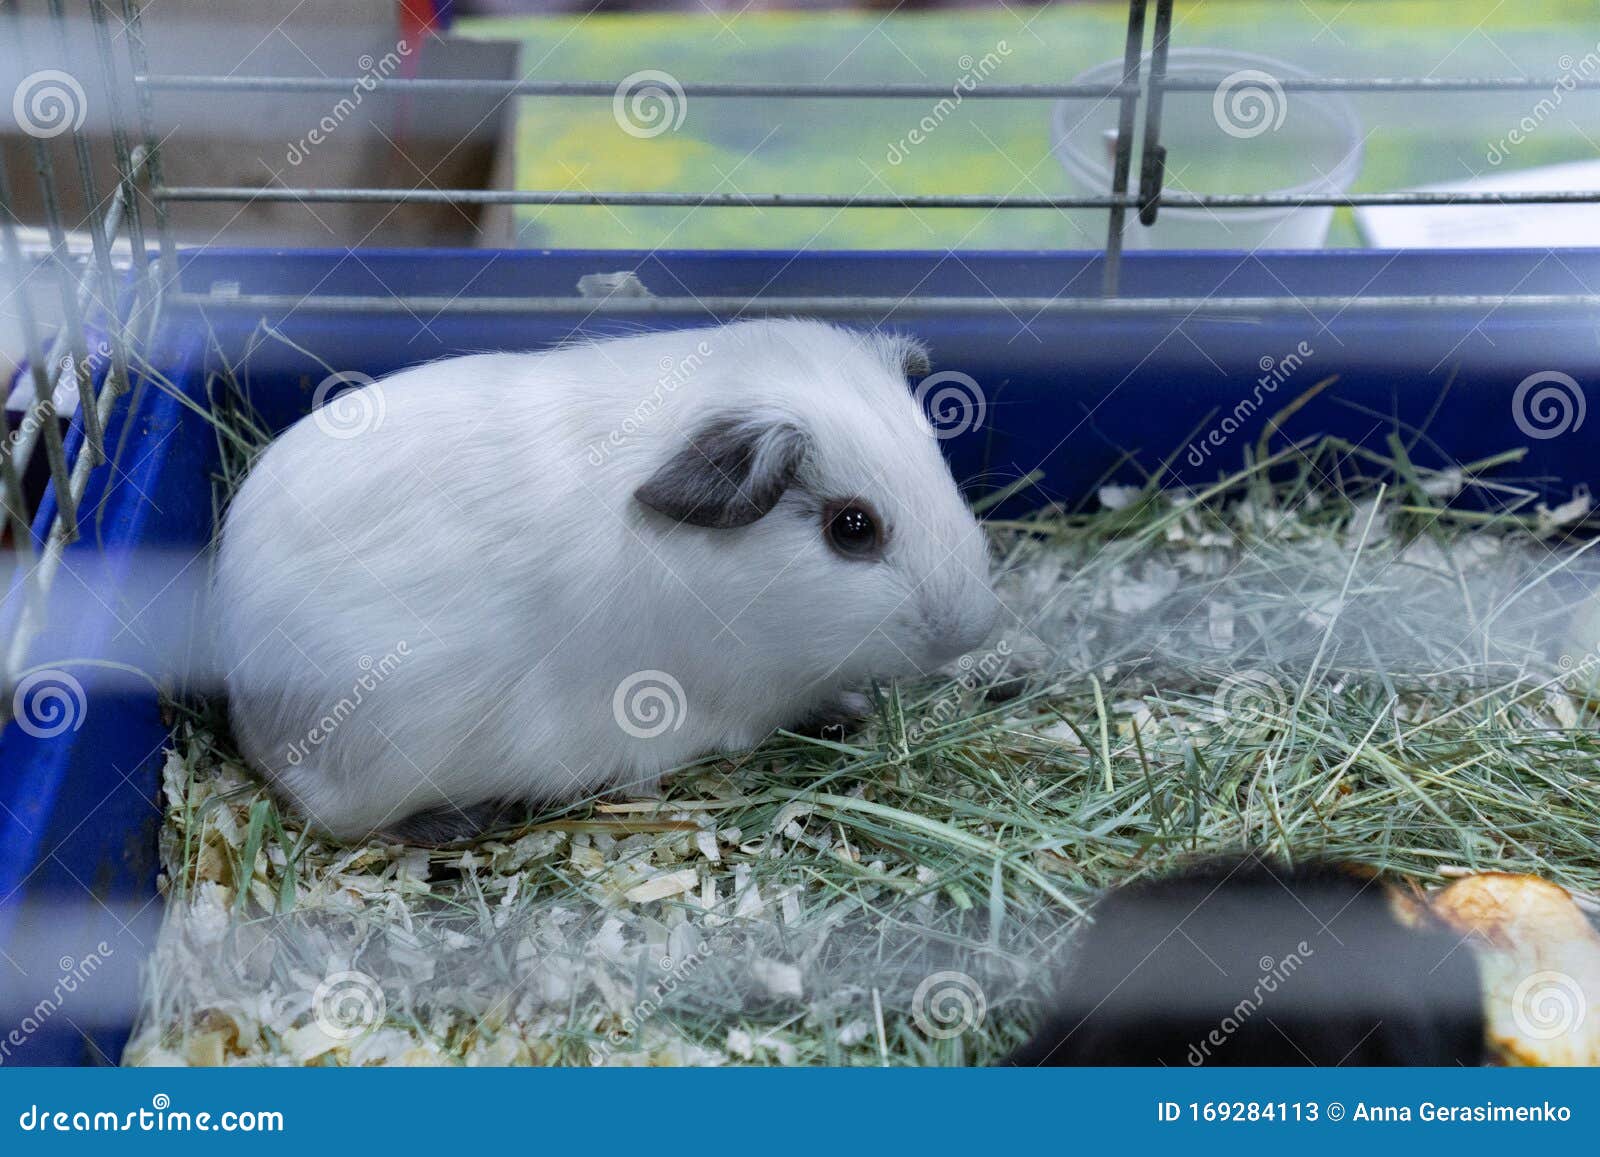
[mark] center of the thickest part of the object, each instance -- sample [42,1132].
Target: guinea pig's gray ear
[907,355]
[914,358]
[732,472]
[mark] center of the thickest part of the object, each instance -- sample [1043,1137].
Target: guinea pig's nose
[961,624]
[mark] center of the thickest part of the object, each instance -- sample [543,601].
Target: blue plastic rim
[1086,398]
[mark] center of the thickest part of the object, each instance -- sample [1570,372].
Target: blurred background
[1368,141]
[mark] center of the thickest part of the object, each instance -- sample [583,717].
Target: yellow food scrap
[1541,966]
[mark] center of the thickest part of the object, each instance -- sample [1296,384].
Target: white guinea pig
[532,577]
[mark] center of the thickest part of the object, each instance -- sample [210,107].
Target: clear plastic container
[1244,135]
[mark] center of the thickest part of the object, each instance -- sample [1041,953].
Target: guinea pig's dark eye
[852,529]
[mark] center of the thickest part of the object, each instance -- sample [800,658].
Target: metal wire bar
[116,378]
[1406,84]
[178,82]
[608,88]
[67,353]
[49,560]
[1153,165]
[94,434]
[847,305]
[139,60]
[44,398]
[1122,163]
[76,481]
[77,342]
[56,358]
[127,166]
[68,286]
[162,194]
[1128,92]
[50,372]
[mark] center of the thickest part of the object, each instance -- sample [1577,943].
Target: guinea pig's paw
[836,717]
[447,824]
[854,706]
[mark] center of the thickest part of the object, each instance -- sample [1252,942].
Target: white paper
[1493,226]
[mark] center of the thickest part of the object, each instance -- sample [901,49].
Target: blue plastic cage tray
[1086,397]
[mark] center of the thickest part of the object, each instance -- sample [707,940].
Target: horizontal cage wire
[137,203]
[1144,80]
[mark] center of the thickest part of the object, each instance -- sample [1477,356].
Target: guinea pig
[536,577]
[1247,962]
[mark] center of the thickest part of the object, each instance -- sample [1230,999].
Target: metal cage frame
[96,297]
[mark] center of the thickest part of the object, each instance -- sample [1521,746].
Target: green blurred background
[994,146]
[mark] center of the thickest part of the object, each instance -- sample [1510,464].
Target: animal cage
[1125,355]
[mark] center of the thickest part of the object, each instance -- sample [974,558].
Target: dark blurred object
[1245,962]
[357,134]
[600,7]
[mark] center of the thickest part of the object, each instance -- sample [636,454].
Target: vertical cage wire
[89,290]
[97,285]
[139,65]
[1127,114]
[1153,165]
[43,410]
[129,160]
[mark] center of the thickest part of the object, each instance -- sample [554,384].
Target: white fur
[484,537]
